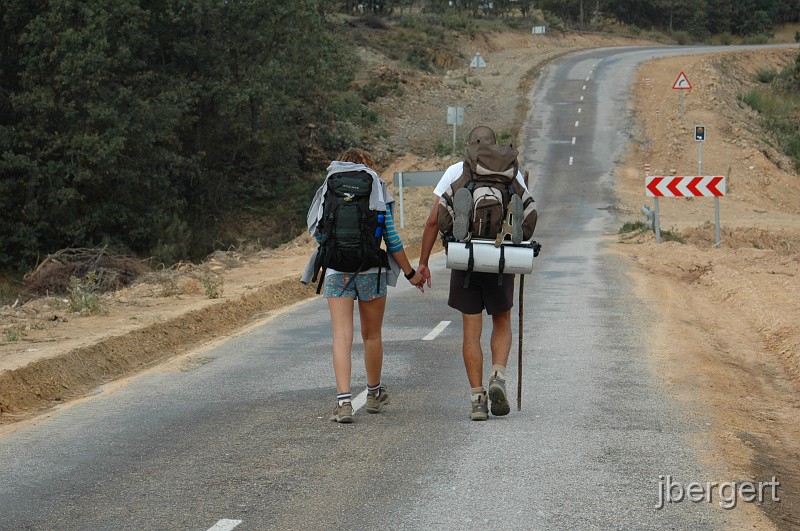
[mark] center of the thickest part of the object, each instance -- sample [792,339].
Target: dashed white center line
[224,525]
[579,110]
[576,123]
[584,87]
[436,331]
[570,161]
[573,140]
[581,98]
[588,78]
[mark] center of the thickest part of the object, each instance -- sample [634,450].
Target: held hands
[418,281]
[425,272]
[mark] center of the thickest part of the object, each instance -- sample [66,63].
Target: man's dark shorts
[482,293]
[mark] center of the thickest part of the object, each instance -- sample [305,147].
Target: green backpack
[350,232]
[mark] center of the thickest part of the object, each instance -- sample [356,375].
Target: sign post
[682,84]
[455,116]
[699,137]
[686,186]
[537,30]
[414,178]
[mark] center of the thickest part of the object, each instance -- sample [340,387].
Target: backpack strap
[353,278]
[501,265]
[319,265]
[321,280]
[470,264]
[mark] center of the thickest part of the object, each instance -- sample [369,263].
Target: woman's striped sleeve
[390,236]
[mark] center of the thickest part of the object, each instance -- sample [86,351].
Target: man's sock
[475,392]
[499,371]
[341,398]
[374,389]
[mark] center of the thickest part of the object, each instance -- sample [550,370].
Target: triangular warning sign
[682,83]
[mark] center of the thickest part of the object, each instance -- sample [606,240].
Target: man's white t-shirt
[452,173]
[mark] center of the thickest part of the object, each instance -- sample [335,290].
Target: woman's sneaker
[480,410]
[498,396]
[375,402]
[343,413]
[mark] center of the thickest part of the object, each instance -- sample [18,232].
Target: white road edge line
[224,525]
[438,329]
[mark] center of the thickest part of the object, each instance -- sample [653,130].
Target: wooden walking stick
[519,350]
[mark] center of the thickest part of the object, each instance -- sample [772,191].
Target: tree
[139,123]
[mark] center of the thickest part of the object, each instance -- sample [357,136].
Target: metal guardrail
[414,178]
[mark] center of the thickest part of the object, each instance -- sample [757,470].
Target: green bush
[375,88]
[82,294]
[682,37]
[442,148]
[766,75]
[338,136]
[459,23]
[761,38]
[633,226]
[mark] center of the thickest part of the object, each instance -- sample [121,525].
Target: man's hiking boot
[480,410]
[375,402]
[517,211]
[498,396]
[462,206]
[343,414]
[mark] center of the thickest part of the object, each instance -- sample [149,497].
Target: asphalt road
[240,438]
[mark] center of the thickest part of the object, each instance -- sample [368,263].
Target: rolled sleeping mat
[518,259]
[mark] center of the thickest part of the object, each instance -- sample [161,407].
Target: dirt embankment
[728,340]
[728,345]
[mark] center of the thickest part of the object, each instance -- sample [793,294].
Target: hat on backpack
[482,135]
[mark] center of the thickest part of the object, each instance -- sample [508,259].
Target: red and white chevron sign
[682,186]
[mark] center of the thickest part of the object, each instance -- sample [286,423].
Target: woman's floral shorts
[364,288]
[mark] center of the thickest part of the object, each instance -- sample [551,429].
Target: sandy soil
[727,341]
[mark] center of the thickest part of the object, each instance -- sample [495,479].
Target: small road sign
[477,61]
[682,83]
[455,115]
[700,133]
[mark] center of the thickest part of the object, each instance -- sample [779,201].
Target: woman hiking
[350,215]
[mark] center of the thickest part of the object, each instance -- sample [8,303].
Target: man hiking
[481,291]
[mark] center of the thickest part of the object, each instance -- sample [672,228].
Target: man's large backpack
[350,232]
[490,175]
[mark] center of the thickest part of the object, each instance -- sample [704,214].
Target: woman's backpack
[350,232]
